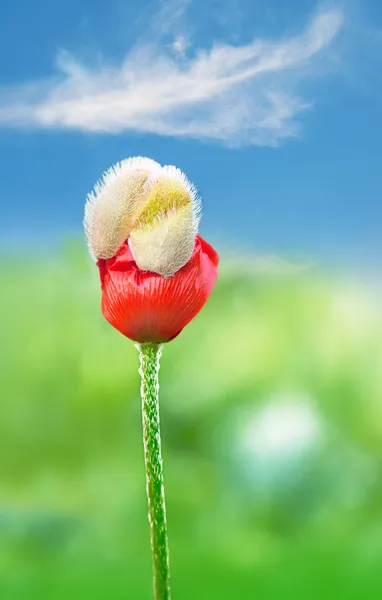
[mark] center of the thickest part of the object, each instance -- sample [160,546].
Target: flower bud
[113,206]
[141,225]
[163,237]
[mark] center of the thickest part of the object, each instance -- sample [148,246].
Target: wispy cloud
[237,94]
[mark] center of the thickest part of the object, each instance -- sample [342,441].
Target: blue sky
[273,109]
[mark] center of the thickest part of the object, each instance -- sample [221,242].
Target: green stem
[149,355]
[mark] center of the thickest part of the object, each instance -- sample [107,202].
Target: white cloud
[236,94]
[180,45]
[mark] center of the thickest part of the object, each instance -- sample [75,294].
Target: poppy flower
[156,272]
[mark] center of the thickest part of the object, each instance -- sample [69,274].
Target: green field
[271,407]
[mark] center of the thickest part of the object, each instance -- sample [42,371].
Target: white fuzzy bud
[113,206]
[156,209]
[163,237]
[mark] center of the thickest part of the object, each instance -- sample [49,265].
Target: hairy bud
[156,209]
[113,206]
[163,238]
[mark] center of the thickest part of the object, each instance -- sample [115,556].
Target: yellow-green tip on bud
[156,208]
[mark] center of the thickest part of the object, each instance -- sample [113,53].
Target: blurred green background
[271,409]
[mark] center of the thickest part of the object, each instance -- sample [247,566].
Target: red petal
[208,249]
[101,264]
[147,307]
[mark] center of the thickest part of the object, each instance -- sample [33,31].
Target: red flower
[145,306]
